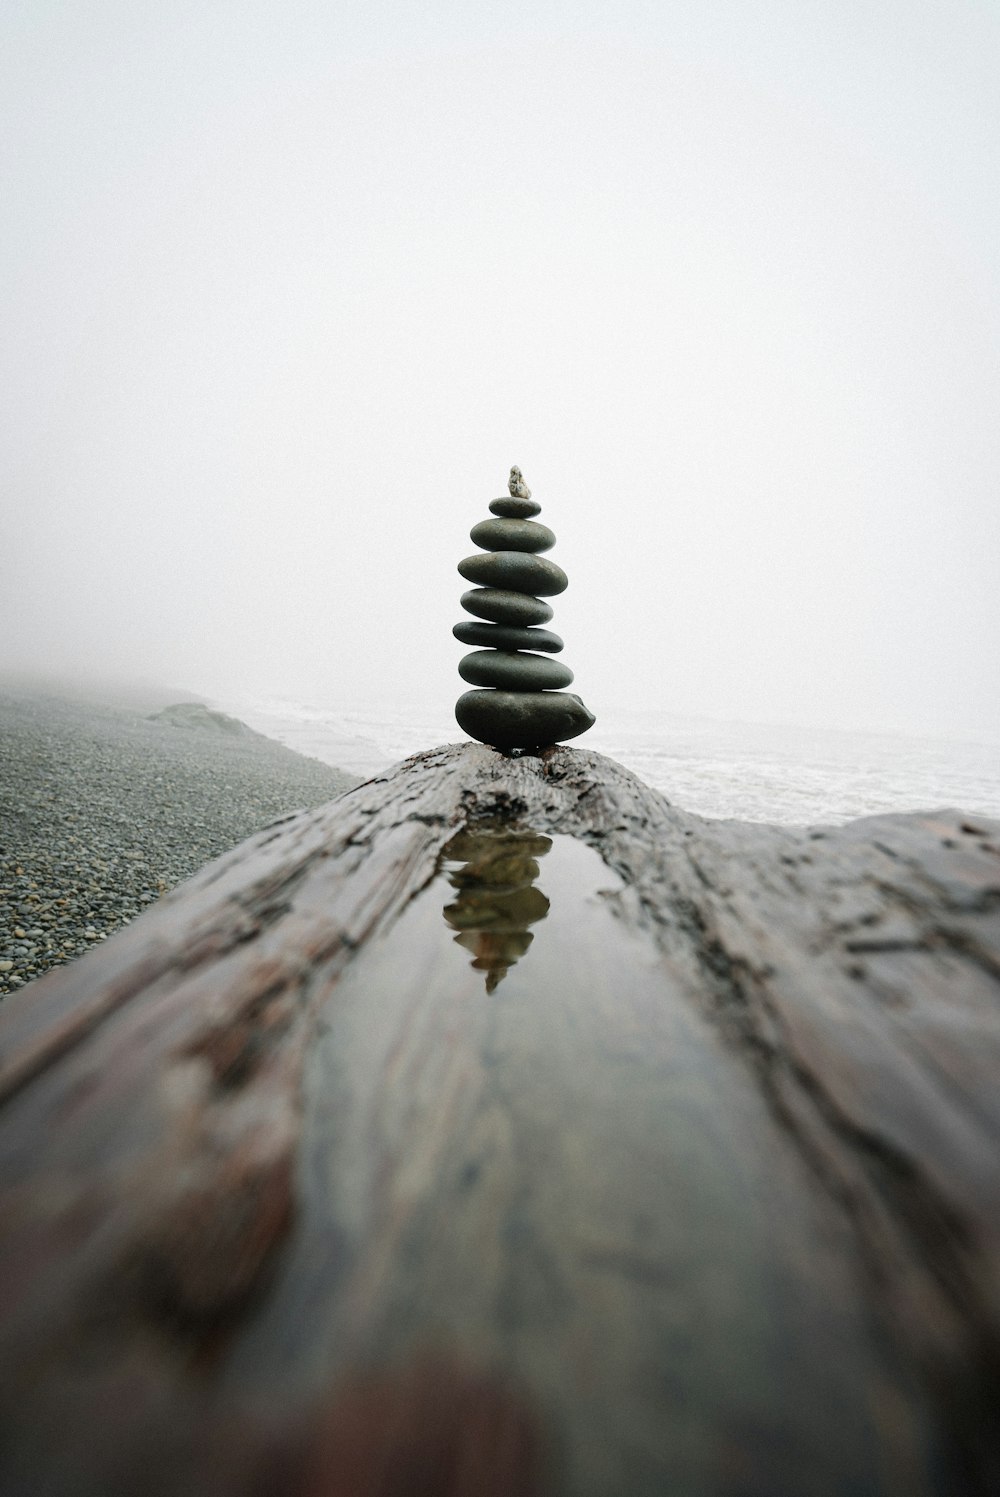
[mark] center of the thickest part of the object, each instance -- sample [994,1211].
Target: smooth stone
[512,535]
[522,719]
[515,509]
[513,671]
[506,637]
[516,571]
[505,607]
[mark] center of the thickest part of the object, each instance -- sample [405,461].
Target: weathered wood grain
[499,1128]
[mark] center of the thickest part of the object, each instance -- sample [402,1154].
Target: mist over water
[287,289]
[752,771]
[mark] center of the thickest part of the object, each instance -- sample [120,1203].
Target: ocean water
[751,771]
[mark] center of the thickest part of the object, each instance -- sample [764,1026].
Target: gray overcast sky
[287,287]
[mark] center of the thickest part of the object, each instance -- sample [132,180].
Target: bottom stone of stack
[522,719]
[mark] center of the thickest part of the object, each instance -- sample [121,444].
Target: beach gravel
[103,809]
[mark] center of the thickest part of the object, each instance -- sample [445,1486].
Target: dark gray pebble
[515,571]
[515,509]
[514,671]
[505,607]
[512,535]
[507,637]
[522,719]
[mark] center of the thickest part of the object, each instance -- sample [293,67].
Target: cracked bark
[704,1198]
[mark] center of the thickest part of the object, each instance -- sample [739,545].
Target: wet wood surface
[501,1129]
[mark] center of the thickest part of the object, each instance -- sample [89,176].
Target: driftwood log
[499,1129]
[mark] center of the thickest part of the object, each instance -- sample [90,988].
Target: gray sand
[103,810]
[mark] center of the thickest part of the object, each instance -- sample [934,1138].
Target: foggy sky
[287,288]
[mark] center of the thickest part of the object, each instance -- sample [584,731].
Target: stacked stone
[520,703]
[497,898]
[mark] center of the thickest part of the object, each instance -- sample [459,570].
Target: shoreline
[723,770]
[104,807]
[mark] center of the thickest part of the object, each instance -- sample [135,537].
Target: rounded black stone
[515,509]
[513,671]
[504,607]
[512,535]
[522,719]
[507,637]
[516,571]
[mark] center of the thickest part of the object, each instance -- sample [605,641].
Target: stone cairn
[493,874]
[520,703]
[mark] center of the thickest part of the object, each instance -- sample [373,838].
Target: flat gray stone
[507,637]
[512,535]
[522,719]
[515,571]
[515,509]
[514,671]
[505,607]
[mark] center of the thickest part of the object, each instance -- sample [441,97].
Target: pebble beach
[105,807]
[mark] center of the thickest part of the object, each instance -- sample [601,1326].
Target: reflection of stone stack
[522,705]
[497,900]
